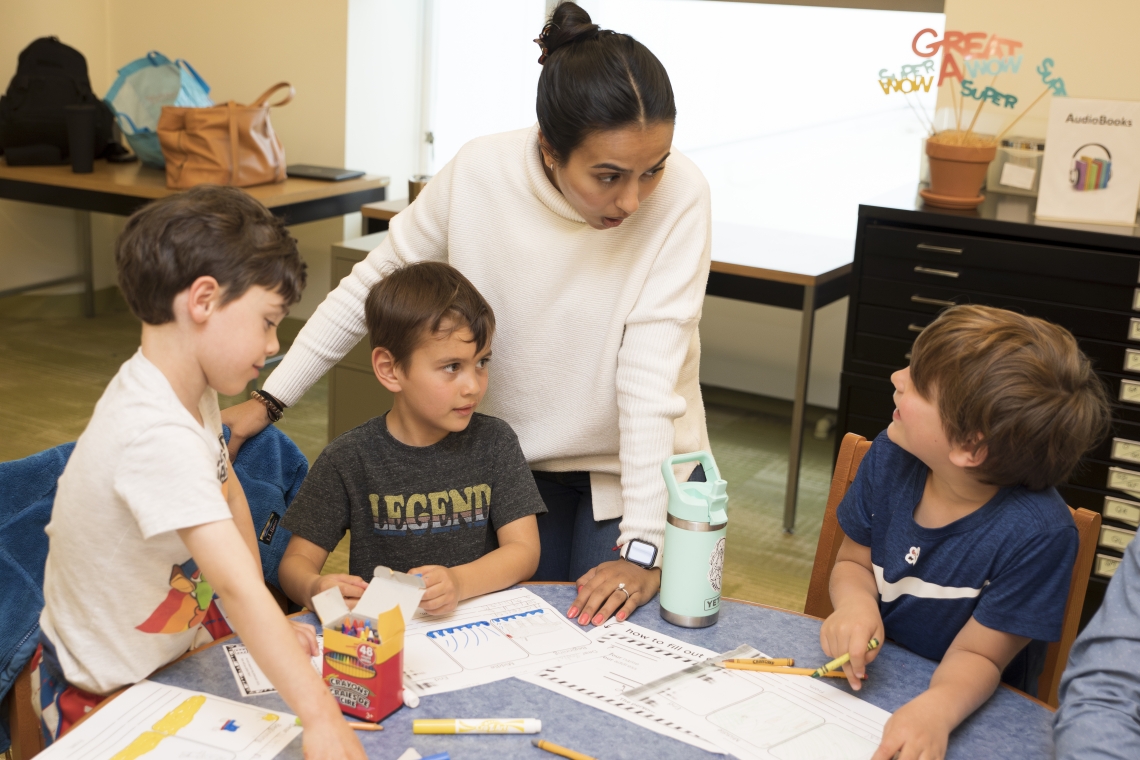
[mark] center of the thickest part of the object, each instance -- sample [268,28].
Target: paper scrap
[251,679]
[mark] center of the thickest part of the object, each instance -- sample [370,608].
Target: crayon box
[364,647]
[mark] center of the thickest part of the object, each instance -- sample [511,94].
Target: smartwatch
[641,553]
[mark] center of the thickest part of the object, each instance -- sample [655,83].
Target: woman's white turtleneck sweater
[596,350]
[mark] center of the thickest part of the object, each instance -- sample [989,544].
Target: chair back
[27,492]
[851,452]
[1057,656]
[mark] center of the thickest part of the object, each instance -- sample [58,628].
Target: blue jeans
[572,540]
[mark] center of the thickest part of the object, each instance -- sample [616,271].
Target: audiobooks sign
[1091,171]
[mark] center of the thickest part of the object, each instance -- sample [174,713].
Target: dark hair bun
[568,24]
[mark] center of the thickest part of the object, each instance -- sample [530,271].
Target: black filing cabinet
[912,261]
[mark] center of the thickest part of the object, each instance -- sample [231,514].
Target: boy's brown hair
[1016,385]
[206,231]
[413,302]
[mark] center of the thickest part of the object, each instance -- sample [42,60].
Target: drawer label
[1125,450]
[1136,299]
[1131,360]
[1130,391]
[1105,565]
[1124,480]
[1134,329]
[1124,511]
[1116,538]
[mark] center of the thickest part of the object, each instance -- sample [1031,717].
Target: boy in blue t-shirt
[957,544]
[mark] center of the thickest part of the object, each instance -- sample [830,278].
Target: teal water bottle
[694,544]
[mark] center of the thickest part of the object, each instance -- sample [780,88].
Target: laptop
[326,173]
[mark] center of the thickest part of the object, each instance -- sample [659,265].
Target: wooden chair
[27,739]
[851,453]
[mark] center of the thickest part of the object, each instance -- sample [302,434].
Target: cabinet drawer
[1095,295]
[1121,445]
[891,352]
[892,323]
[873,398]
[1112,357]
[990,253]
[1116,478]
[1115,510]
[868,427]
[932,299]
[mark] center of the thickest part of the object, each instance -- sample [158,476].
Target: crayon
[554,749]
[477,726]
[786,662]
[730,665]
[840,661]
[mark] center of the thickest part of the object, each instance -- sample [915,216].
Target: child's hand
[306,637]
[331,740]
[848,629]
[443,593]
[351,586]
[914,732]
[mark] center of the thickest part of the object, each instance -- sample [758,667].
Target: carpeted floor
[55,369]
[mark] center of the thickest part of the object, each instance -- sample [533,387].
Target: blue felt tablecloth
[1009,725]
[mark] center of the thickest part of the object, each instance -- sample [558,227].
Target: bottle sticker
[716,565]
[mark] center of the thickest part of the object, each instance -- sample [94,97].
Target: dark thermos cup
[81,137]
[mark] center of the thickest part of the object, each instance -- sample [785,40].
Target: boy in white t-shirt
[149,520]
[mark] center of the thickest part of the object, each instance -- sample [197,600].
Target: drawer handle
[907,355]
[939,248]
[939,272]
[915,328]
[931,301]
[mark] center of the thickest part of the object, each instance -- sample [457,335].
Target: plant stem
[974,121]
[1027,110]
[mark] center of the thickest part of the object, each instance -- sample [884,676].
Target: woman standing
[590,238]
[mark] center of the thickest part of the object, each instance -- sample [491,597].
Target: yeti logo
[912,556]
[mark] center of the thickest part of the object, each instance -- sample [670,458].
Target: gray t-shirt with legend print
[407,506]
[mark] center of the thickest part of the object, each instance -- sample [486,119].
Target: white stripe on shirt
[920,588]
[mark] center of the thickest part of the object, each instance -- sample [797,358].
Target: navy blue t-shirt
[1008,564]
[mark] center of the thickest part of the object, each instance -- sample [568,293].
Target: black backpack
[50,75]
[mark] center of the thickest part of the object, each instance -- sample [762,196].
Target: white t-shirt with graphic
[123,596]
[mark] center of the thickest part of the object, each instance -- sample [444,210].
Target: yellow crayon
[840,661]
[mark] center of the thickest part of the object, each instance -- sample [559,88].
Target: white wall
[240,49]
[1092,43]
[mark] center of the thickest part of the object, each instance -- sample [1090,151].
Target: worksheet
[749,715]
[486,639]
[153,721]
[250,678]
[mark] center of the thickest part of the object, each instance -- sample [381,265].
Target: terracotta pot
[958,171]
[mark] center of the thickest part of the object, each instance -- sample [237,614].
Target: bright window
[780,106]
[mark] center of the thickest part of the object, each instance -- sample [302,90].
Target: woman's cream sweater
[596,350]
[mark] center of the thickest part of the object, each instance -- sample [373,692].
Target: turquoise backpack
[142,88]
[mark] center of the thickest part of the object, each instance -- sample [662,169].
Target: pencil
[730,665]
[840,661]
[782,661]
[554,749]
[357,725]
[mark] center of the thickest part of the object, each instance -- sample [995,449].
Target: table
[121,189]
[773,267]
[1010,724]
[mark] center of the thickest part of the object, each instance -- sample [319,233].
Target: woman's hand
[599,596]
[245,420]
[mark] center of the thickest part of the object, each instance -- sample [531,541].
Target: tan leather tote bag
[229,144]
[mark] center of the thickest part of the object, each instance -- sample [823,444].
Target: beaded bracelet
[272,407]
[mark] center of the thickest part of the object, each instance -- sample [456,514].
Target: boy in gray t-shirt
[431,487]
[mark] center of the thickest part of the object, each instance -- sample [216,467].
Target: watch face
[641,553]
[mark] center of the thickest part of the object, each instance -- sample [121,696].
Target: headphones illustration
[1090,173]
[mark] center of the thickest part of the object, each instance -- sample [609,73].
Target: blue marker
[438,756]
